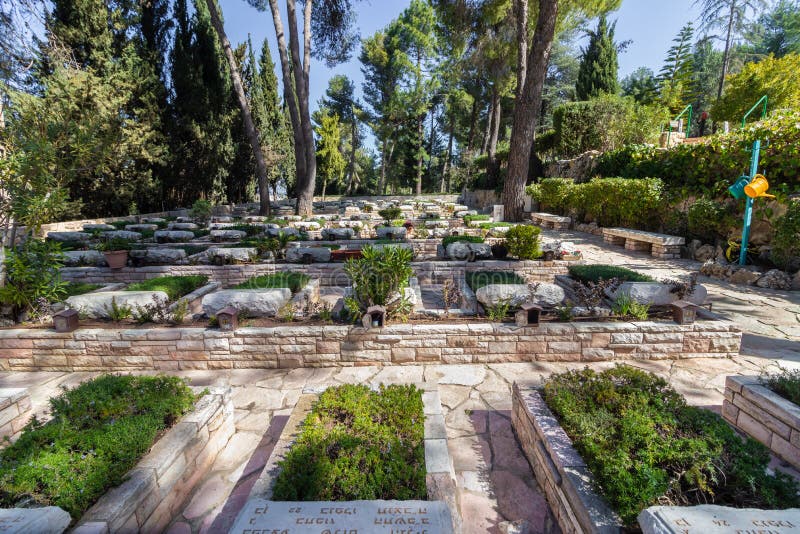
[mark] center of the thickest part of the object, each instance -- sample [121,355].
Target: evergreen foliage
[675,77]
[597,74]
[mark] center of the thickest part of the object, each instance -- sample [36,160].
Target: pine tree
[641,84]
[330,162]
[598,70]
[340,99]
[675,77]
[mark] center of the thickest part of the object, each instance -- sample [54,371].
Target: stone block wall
[15,411]
[166,349]
[764,415]
[559,469]
[158,486]
[329,274]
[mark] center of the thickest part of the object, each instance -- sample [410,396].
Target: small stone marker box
[683,312]
[374,318]
[65,321]
[228,319]
[528,315]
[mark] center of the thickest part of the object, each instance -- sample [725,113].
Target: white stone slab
[406,517]
[98,304]
[47,520]
[713,519]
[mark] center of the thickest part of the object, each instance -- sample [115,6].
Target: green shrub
[378,278]
[707,169]
[295,281]
[174,286]
[499,310]
[250,229]
[552,194]
[605,123]
[472,218]
[595,273]
[708,220]
[522,241]
[358,444]
[115,243]
[79,288]
[478,279]
[389,214]
[644,445]
[786,384]
[461,239]
[33,280]
[786,243]
[201,210]
[627,306]
[98,432]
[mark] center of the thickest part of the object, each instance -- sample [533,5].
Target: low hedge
[174,286]
[632,203]
[595,273]
[646,446]
[295,281]
[471,218]
[358,444]
[461,239]
[98,432]
[477,280]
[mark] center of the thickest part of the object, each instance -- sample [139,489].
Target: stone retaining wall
[763,414]
[15,411]
[559,469]
[157,487]
[329,274]
[343,345]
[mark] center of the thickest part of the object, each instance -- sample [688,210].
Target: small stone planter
[157,487]
[415,515]
[764,415]
[558,467]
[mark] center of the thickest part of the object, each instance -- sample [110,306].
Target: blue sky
[650,24]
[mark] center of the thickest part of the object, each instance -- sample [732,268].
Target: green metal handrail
[689,122]
[763,99]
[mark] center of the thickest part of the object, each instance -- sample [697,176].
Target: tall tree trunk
[353,149]
[384,163]
[493,169]
[289,96]
[473,125]
[301,71]
[420,142]
[727,52]
[449,154]
[526,109]
[487,132]
[521,12]
[431,144]
[244,105]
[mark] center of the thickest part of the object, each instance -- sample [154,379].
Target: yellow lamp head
[757,187]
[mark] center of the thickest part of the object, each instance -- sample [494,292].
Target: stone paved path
[495,483]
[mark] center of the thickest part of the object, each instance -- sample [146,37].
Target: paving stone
[516,500]
[210,494]
[459,375]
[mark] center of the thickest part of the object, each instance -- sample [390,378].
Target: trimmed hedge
[174,286]
[595,273]
[461,239]
[709,168]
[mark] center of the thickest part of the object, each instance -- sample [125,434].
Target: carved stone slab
[713,519]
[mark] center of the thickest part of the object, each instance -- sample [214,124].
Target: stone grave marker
[46,520]
[351,517]
[713,519]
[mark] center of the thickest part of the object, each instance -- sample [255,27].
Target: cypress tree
[675,77]
[597,73]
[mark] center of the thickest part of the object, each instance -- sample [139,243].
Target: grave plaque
[713,519]
[498,213]
[260,516]
[46,520]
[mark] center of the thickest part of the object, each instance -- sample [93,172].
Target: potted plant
[116,251]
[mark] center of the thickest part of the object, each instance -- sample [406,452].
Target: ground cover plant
[79,288]
[595,273]
[174,286]
[293,280]
[379,278]
[98,432]
[786,384]
[470,218]
[477,280]
[358,444]
[646,446]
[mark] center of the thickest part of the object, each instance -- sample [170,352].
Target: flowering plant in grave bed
[98,432]
[358,444]
[645,446]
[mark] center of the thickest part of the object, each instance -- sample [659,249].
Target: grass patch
[293,280]
[786,384]
[249,229]
[477,280]
[645,446]
[473,218]
[358,444]
[98,432]
[79,288]
[595,273]
[174,286]
[461,239]
[490,225]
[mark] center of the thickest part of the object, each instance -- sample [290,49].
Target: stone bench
[548,220]
[658,245]
[15,410]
